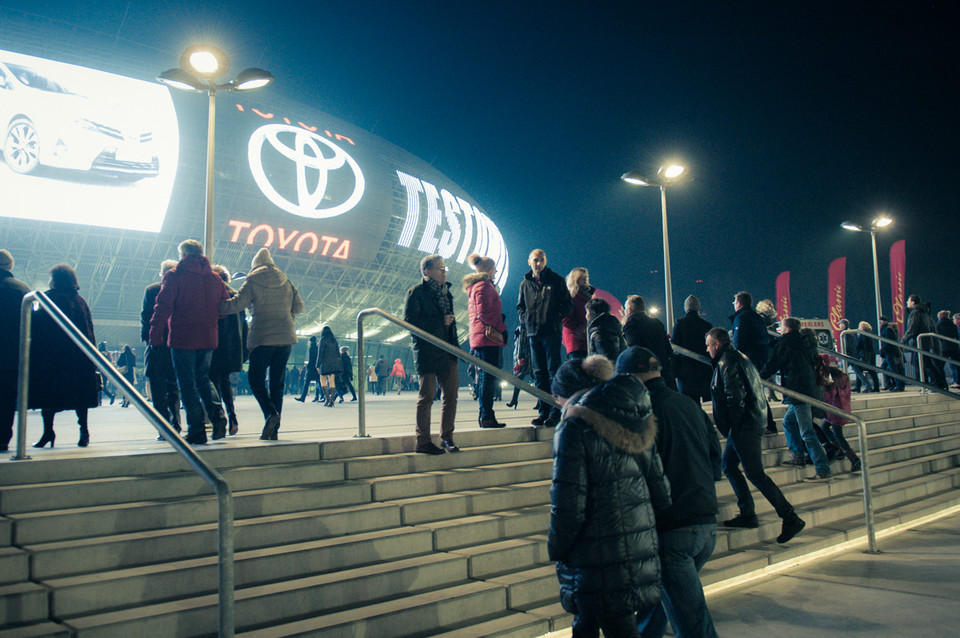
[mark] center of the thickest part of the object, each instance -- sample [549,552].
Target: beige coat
[272,301]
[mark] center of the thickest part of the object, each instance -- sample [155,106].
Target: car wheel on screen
[21,146]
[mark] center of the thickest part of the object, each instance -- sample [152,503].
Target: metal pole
[362,378]
[23,378]
[208,216]
[876,278]
[666,260]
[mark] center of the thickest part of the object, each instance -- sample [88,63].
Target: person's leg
[585,626]
[48,435]
[554,360]
[541,374]
[810,440]
[898,367]
[84,432]
[487,382]
[279,356]
[751,457]
[257,376]
[209,395]
[428,390]
[731,469]
[450,382]
[184,363]
[791,429]
[8,406]
[683,552]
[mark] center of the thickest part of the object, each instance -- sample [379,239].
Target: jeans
[275,358]
[193,377]
[449,380]
[163,383]
[624,626]
[743,448]
[487,383]
[895,366]
[683,552]
[798,426]
[312,375]
[545,356]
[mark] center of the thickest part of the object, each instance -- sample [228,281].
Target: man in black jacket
[690,452]
[544,302]
[892,356]
[738,412]
[693,377]
[604,331]
[794,356]
[640,329]
[158,361]
[312,373]
[429,306]
[920,322]
[12,291]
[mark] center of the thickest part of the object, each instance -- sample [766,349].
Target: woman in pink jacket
[488,332]
[574,333]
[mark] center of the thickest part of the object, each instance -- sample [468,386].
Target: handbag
[494,335]
[124,369]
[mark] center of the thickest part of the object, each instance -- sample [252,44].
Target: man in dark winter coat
[544,302]
[920,322]
[688,447]
[346,377]
[794,357]
[158,361]
[11,296]
[642,330]
[608,490]
[750,330]
[429,306]
[604,331]
[693,377]
[185,318]
[948,347]
[892,356]
[312,373]
[738,412]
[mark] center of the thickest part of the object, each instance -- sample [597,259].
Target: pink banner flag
[898,273]
[836,293]
[783,295]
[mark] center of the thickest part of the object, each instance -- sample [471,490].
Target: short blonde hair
[573,279]
[865,326]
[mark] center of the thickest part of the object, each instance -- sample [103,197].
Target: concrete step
[23,603]
[14,565]
[502,557]
[396,464]
[385,446]
[6,532]
[34,630]
[423,509]
[487,528]
[120,551]
[106,591]
[147,462]
[511,625]
[530,587]
[388,488]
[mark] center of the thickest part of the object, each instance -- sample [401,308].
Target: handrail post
[362,376]
[923,376]
[225,543]
[872,547]
[23,377]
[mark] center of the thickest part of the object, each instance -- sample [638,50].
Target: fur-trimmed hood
[620,411]
[475,278]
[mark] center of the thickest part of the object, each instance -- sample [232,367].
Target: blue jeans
[487,383]
[895,366]
[193,377]
[275,358]
[798,427]
[683,552]
[545,356]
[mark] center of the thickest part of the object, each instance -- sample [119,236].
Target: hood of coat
[194,263]
[475,278]
[619,410]
[268,276]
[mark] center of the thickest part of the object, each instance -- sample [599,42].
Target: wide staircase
[363,537]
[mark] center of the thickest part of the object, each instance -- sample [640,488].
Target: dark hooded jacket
[794,357]
[920,322]
[608,484]
[11,296]
[423,310]
[328,354]
[690,332]
[737,394]
[750,336]
[543,304]
[605,336]
[946,328]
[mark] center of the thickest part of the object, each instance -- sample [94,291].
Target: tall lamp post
[880,222]
[200,66]
[669,174]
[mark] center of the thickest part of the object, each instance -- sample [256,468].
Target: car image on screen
[45,123]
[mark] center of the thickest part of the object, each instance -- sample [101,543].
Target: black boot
[84,437]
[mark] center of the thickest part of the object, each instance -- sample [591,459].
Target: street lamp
[880,222]
[668,175]
[200,65]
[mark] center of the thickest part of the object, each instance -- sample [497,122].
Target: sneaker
[428,448]
[855,465]
[746,522]
[794,461]
[449,446]
[818,477]
[791,527]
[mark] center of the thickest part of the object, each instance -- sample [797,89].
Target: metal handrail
[873,548]
[923,354]
[36,299]
[923,381]
[443,345]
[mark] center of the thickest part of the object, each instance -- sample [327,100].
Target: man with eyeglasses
[429,306]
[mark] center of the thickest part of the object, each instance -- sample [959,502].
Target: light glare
[204,62]
[882,221]
[673,171]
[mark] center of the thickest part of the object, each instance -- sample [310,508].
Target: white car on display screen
[47,122]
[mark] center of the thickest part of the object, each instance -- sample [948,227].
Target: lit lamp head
[882,221]
[205,61]
[667,175]
[250,79]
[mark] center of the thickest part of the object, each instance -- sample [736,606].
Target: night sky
[792,116]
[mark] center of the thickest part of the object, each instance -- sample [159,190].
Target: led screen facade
[103,168]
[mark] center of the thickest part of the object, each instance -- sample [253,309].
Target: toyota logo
[306,153]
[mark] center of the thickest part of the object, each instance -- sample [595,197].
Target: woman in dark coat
[230,353]
[330,364]
[127,364]
[61,376]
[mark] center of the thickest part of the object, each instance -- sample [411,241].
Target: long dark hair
[63,277]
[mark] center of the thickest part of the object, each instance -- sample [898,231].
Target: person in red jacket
[574,333]
[188,305]
[488,332]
